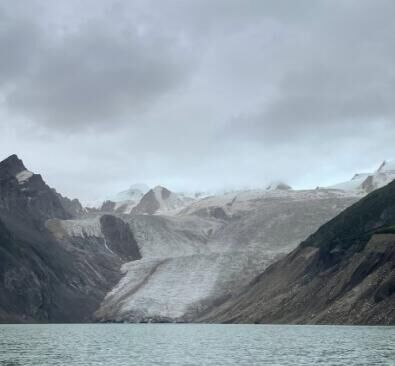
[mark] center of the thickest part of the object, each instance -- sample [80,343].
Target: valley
[156,256]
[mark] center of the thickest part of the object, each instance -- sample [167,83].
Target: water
[167,344]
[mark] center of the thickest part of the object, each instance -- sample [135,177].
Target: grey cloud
[93,76]
[19,41]
[344,81]
[256,90]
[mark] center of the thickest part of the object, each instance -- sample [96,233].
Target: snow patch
[82,228]
[24,176]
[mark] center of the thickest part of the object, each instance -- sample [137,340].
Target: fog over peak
[197,95]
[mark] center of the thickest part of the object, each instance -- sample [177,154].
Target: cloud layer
[101,94]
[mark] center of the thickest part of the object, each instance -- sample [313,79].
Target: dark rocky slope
[48,274]
[342,274]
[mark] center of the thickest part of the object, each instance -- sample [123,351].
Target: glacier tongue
[211,249]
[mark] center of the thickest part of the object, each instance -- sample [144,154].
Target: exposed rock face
[342,274]
[11,166]
[73,207]
[53,268]
[198,258]
[25,196]
[119,237]
[158,200]
[148,204]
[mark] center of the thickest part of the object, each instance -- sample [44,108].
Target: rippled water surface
[166,344]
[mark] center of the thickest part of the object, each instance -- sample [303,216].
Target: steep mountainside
[193,260]
[342,274]
[53,267]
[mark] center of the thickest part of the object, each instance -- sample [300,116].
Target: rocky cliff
[54,267]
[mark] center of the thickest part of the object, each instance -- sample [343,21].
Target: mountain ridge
[49,273]
[344,273]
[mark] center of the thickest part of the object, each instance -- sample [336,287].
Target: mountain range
[152,255]
[140,199]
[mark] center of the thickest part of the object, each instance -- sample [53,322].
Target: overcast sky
[196,94]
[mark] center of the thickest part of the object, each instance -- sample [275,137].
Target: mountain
[134,193]
[159,200]
[342,274]
[54,265]
[169,259]
[162,201]
[122,202]
[368,182]
[199,256]
[141,200]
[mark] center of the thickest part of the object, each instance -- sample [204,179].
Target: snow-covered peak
[160,200]
[166,199]
[122,202]
[141,187]
[368,182]
[134,193]
[387,167]
[14,167]
[161,190]
[361,176]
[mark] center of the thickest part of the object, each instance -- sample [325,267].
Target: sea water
[190,344]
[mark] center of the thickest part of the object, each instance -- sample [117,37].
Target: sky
[196,95]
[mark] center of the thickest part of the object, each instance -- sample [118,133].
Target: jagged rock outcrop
[72,206]
[119,237]
[25,196]
[342,274]
[54,268]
